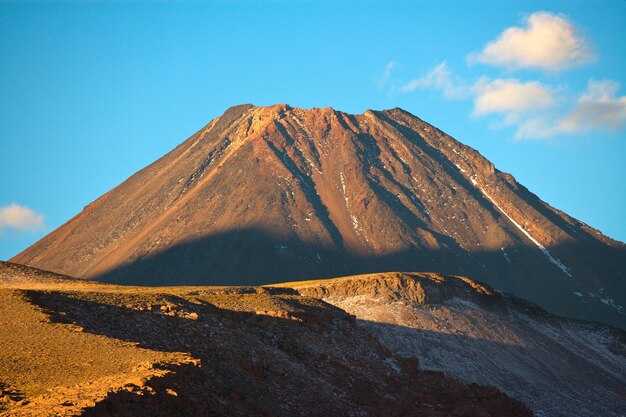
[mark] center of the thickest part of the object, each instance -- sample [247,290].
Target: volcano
[270,194]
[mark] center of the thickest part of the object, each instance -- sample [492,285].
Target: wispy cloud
[20,217]
[537,110]
[598,108]
[547,41]
[441,78]
[509,97]
[383,79]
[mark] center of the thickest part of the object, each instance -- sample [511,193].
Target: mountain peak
[281,108]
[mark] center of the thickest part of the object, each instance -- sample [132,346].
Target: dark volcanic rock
[264,194]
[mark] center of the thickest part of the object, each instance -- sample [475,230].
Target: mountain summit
[268,194]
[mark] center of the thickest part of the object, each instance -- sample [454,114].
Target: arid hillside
[75,348]
[557,367]
[264,194]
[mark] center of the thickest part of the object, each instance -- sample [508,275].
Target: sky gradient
[91,92]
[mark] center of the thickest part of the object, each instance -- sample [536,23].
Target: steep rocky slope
[263,194]
[558,367]
[70,348]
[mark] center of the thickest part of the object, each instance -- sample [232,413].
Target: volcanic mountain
[268,194]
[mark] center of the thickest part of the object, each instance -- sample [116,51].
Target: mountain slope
[263,194]
[69,349]
[557,367]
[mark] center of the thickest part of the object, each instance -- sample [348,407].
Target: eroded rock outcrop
[454,325]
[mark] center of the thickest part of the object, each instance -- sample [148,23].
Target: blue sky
[91,91]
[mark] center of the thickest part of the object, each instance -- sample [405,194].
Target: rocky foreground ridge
[71,347]
[264,194]
[557,367]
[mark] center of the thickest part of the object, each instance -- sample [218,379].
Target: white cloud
[598,108]
[440,78]
[511,96]
[547,41]
[19,217]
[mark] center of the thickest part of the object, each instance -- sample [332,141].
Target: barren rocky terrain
[126,325]
[556,366]
[264,194]
[70,347]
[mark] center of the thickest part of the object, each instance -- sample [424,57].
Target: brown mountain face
[269,194]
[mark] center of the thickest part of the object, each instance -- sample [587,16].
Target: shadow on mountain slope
[264,362]
[552,376]
[253,257]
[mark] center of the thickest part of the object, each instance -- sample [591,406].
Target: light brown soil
[72,348]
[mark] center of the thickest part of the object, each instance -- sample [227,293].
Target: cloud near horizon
[547,41]
[20,218]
